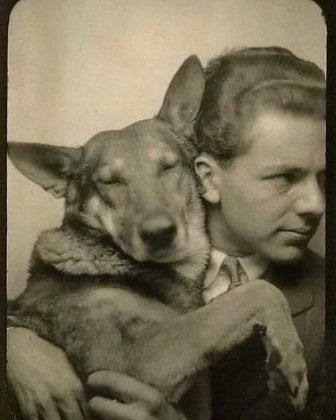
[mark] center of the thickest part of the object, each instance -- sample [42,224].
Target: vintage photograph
[166,200]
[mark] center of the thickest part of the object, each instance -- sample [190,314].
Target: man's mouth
[302,232]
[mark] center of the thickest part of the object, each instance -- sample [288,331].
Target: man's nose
[311,199]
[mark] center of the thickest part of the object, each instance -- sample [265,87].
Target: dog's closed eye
[113,180]
[105,175]
[168,165]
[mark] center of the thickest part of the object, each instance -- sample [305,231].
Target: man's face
[272,197]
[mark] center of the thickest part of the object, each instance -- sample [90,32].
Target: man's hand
[42,379]
[118,396]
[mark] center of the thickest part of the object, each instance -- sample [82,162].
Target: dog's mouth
[174,252]
[171,247]
[169,255]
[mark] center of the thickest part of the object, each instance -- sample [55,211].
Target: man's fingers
[30,415]
[27,409]
[81,399]
[124,388]
[48,411]
[107,409]
[35,406]
[71,410]
[83,407]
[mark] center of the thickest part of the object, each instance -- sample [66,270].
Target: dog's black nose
[158,232]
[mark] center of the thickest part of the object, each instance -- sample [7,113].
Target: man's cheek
[252,227]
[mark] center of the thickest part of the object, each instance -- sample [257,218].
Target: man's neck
[222,238]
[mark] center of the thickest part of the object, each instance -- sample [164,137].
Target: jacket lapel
[297,282]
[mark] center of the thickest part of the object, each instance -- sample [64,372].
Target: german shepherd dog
[119,285]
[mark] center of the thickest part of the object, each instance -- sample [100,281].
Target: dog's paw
[287,371]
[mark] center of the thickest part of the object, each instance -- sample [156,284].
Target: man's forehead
[281,120]
[288,135]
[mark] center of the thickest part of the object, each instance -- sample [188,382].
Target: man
[260,134]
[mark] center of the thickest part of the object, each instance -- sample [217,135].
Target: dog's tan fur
[119,284]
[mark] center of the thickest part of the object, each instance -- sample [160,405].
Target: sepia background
[81,66]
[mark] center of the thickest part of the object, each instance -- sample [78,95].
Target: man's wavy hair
[245,81]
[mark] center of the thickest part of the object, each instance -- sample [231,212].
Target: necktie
[229,275]
[231,269]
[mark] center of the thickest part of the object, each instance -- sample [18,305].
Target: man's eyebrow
[284,167]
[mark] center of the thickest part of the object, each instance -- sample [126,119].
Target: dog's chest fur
[83,289]
[86,256]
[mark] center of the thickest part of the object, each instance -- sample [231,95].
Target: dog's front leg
[184,346]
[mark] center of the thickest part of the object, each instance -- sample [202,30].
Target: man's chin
[285,254]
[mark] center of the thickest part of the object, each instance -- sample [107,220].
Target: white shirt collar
[254,266]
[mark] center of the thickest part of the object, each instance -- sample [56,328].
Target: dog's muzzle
[158,232]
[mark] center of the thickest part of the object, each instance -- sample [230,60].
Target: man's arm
[195,335]
[41,378]
[46,387]
[118,396]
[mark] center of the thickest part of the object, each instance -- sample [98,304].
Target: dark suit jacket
[239,379]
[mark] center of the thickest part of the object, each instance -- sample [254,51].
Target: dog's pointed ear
[46,165]
[183,97]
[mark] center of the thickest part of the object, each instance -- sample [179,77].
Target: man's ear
[183,97]
[207,168]
[48,166]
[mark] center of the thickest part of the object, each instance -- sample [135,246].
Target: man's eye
[284,181]
[289,178]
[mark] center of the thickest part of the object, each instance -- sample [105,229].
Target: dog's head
[136,184]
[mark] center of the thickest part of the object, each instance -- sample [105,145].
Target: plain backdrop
[81,66]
